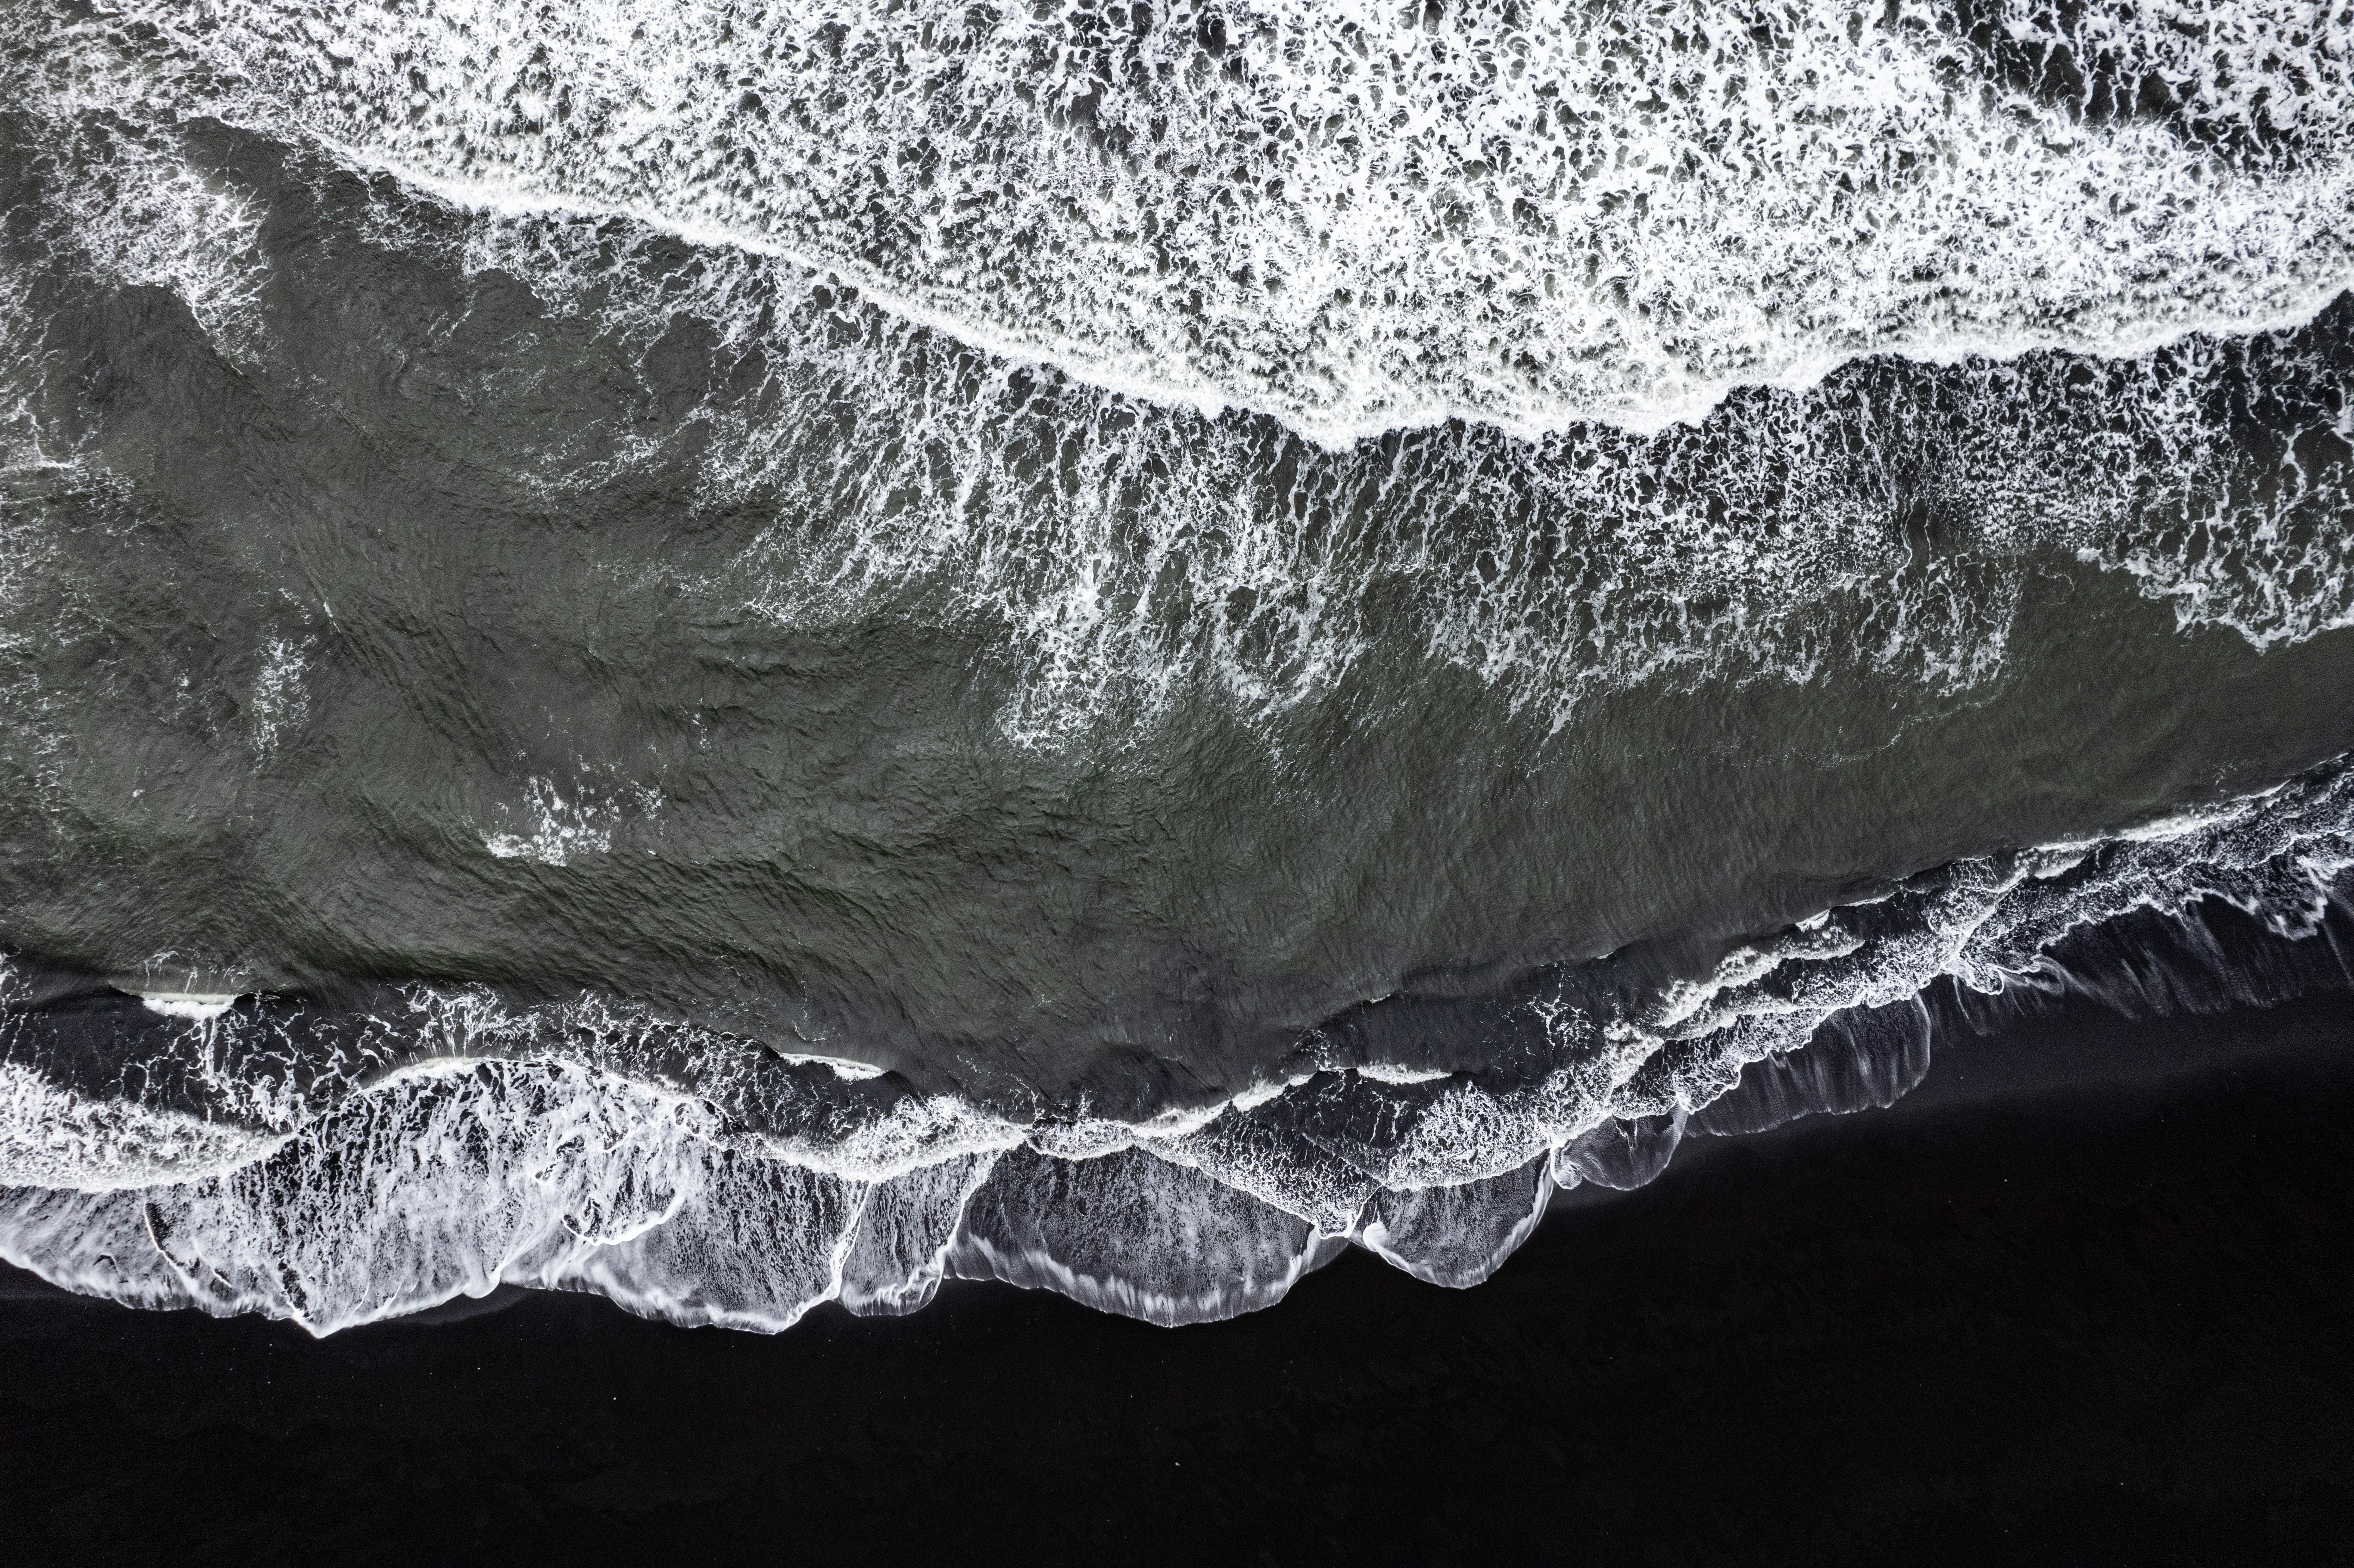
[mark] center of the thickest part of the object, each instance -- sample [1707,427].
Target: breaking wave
[1360,217]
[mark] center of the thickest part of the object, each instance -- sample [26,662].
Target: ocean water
[741,656]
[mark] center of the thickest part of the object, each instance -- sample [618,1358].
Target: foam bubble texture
[1363,216]
[144,215]
[1884,520]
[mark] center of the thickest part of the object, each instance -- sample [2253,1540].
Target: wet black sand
[2101,1321]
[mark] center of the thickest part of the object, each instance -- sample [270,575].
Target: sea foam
[1363,216]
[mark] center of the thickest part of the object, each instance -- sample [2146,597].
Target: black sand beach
[2101,1321]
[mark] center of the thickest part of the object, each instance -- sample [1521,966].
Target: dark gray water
[735,659]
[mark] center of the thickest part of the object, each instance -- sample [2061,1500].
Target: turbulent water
[744,655]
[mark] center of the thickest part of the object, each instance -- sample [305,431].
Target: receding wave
[443,1144]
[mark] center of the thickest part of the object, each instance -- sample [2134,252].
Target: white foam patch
[51,1137]
[1132,557]
[195,1005]
[1385,1073]
[27,449]
[280,704]
[144,215]
[558,829]
[849,1072]
[1458,1236]
[1135,1235]
[1362,216]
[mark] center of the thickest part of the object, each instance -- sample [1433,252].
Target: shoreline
[2093,1312]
